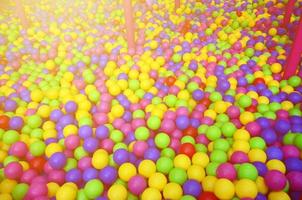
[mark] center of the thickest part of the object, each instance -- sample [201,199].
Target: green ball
[34,121]
[228,129]
[170,100]
[20,191]
[81,195]
[187,197]
[134,84]
[177,175]
[164,165]
[153,122]
[294,81]
[245,101]
[94,96]
[80,152]
[168,152]
[262,108]
[138,114]
[162,140]
[37,148]
[298,141]
[215,96]
[213,133]
[218,156]
[187,139]
[249,52]
[93,188]
[289,138]
[211,168]
[221,144]
[142,133]
[247,171]
[257,143]
[222,118]
[116,136]
[201,148]
[70,164]
[176,58]
[10,137]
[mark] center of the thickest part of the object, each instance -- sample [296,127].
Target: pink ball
[253,128]
[239,157]
[137,184]
[226,170]
[18,149]
[290,151]
[37,189]
[295,180]
[107,144]
[167,125]
[233,112]
[57,176]
[72,142]
[275,180]
[28,176]
[139,148]
[13,170]
[84,163]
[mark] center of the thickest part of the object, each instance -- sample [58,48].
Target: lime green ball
[153,122]
[138,114]
[71,164]
[164,165]
[93,188]
[289,138]
[168,152]
[177,175]
[257,143]
[187,197]
[162,140]
[201,148]
[244,101]
[294,81]
[176,58]
[218,156]
[228,129]
[213,133]
[211,168]
[215,96]
[133,84]
[116,136]
[10,137]
[298,141]
[37,148]
[94,96]
[34,121]
[249,52]
[20,191]
[170,100]
[247,171]
[142,133]
[221,144]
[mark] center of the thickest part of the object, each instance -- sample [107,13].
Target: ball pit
[197,109]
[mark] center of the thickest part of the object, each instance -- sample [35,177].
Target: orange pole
[129,22]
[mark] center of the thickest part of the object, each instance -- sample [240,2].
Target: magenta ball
[295,181]
[13,170]
[239,157]
[18,149]
[139,148]
[226,170]
[137,184]
[37,189]
[275,180]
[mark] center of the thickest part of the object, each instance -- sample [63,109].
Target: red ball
[206,102]
[4,122]
[191,131]
[258,81]
[170,80]
[37,164]
[207,196]
[188,149]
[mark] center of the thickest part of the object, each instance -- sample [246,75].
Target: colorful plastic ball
[207,196]
[172,191]
[213,133]
[151,194]
[154,122]
[275,180]
[108,175]
[295,181]
[4,122]
[13,170]
[117,191]
[274,153]
[126,171]
[192,187]
[182,122]
[146,168]
[158,181]
[162,140]
[177,175]
[246,188]
[67,191]
[247,171]
[200,158]
[20,191]
[18,149]
[280,195]
[142,133]
[93,188]
[137,184]
[196,172]
[73,175]
[100,159]
[57,160]
[164,165]
[224,189]
[226,170]
[244,101]
[120,156]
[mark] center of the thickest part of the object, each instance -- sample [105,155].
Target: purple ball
[89,174]
[198,95]
[108,175]
[71,107]
[293,164]
[152,154]
[261,168]
[90,144]
[16,123]
[57,160]
[73,175]
[275,180]
[274,153]
[10,105]
[55,115]
[260,197]
[192,187]
[102,132]
[182,122]
[85,131]
[137,184]
[282,126]
[121,156]
[269,135]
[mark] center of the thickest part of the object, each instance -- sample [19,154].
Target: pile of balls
[198,110]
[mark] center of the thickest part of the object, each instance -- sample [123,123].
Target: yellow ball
[276,68]
[246,117]
[278,196]
[261,186]
[272,31]
[100,159]
[241,145]
[151,194]
[224,189]
[70,130]
[36,95]
[6,197]
[44,111]
[220,107]
[158,181]
[246,188]
[210,113]
[182,161]
[275,164]
[117,192]
[200,158]
[196,172]
[117,111]
[208,183]
[172,191]
[7,186]
[126,171]
[66,192]
[52,189]
[241,134]
[257,155]
[147,168]
[53,148]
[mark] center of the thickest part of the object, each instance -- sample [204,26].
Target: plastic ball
[100,159]
[13,170]
[93,188]
[162,140]
[154,122]
[192,187]
[67,191]
[147,168]
[57,160]
[275,180]
[177,175]
[246,188]
[151,194]
[137,184]
[247,171]
[126,171]
[117,191]
[226,170]
[224,189]
[172,191]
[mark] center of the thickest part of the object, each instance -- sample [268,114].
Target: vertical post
[129,24]
[21,13]
[289,8]
[177,4]
[294,57]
